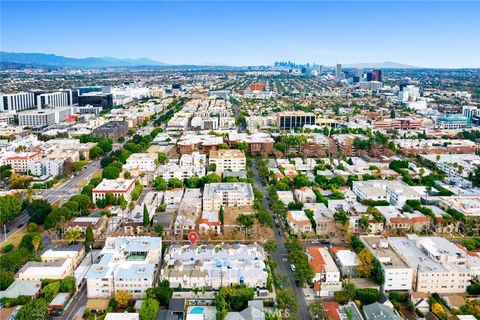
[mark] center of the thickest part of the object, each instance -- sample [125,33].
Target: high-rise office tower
[338,72]
[377,75]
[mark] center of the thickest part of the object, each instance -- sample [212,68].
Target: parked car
[292,266]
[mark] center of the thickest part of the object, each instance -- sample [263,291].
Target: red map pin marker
[192,237]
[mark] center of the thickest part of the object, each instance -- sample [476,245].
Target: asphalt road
[75,306]
[59,193]
[283,267]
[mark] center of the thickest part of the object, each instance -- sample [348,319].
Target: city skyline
[206,33]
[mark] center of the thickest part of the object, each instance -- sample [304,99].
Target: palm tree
[36,241]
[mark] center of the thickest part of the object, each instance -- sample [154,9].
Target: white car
[292,266]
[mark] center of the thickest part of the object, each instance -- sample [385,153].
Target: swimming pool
[197,310]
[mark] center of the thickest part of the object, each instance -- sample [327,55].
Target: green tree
[146,216]
[51,290]
[211,178]
[36,309]
[270,246]
[6,279]
[10,207]
[317,311]
[175,183]
[162,158]
[95,152]
[149,309]
[160,184]
[111,172]
[367,295]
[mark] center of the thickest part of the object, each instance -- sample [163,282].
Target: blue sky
[426,34]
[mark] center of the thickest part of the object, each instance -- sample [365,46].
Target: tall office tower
[320,71]
[377,75]
[338,72]
[369,76]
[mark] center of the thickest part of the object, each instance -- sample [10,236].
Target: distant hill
[380,65]
[59,61]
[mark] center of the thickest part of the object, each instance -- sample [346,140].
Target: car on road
[20,225]
[314,242]
[280,233]
[292,266]
[7,231]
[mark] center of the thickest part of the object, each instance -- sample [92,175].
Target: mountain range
[53,60]
[380,65]
[60,61]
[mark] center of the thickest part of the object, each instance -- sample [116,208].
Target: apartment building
[467,205]
[305,195]
[394,191]
[189,165]
[37,271]
[324,221]
[227,160]
[46,166]
[118,187]
[326,280]
[216,195]
[397,273]
[215,266]
[126,264]
[298,221]
[19,161]
[112,130]
[346,260]
[438,264]
[189,211]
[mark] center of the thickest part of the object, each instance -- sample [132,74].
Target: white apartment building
[305,195]
[298,221]
[228,194]
[144,162]
[398,274]
[44,117]
[188,211]
[17,101]
[36,271]
[21,160]
[394,191]
[118,187]
[438,264]
[327,276]
[215,266]
[189,165]
[126,264]
[286,197]
[46,166]
[227,160]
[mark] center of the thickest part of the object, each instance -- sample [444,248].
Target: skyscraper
[377,75]
[338,72]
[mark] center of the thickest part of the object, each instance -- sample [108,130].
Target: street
[58,193]
[74,308]
[283,267]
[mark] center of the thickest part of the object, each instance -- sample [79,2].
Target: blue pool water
[197,310]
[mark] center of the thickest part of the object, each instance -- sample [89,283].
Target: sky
[424,34]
